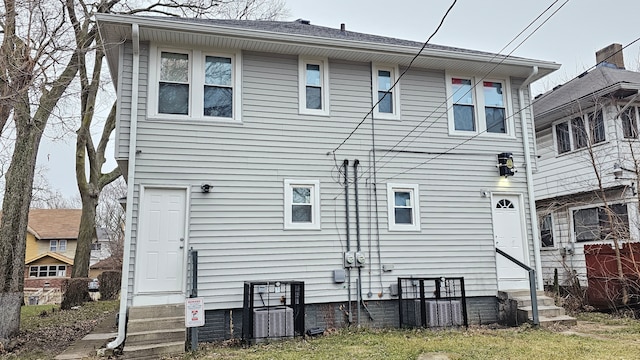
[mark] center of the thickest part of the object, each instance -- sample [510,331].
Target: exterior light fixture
[505,165]
[617,171]
[206,188]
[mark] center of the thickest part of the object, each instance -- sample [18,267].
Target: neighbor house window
[195,85]
[580,131]
[302,204]
[57,245]
[173,88]
[96,246]
[592,224]
[385,93]
[478,106]
[403,207]
[48,271]
[314,86]
[630,122]
[546,231]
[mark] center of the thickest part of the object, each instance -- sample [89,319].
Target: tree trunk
[13,226]
[87,231]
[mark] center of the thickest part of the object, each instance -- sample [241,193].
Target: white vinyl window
[314,86]
[194,85]
[62,245]
[476,107]
[302,204]
[53,245]
[57,245]
[403,207]
[630,122]
[389,98]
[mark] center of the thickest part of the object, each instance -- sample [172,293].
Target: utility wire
[475,85]
[424,45]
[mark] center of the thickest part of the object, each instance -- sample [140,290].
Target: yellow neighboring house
[52,236]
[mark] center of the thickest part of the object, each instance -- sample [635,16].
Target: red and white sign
[194,312]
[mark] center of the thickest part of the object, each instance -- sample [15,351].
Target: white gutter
[122,319]
[527,161]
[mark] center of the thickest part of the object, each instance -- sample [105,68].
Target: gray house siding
[238,227]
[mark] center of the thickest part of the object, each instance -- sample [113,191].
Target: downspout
[345,165]
[122,314]
[529,173]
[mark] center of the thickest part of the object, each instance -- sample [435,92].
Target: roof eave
[544,67]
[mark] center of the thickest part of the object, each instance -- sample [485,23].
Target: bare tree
[89,157]
[111,217]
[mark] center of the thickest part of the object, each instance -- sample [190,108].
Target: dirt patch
[593,330]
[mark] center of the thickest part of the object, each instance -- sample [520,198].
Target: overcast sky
[570,37]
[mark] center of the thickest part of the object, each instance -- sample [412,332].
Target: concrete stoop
[154,331]
[548,313]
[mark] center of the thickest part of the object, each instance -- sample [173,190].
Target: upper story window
[57,245]
[593,224]
[546,231]
[580,131]
[630,122]
[478,107]
[195,85]
[403,207]
[302,204]
[96,247]
[314,86]
[389,98]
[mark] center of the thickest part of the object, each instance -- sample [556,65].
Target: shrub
[109,284]
[76,293]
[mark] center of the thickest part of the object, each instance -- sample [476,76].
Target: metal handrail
[532,284]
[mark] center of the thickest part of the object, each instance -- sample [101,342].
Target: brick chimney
[610,56]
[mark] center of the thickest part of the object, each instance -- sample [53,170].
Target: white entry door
[508,236]
[161,242]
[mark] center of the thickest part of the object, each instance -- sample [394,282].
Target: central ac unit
[272,322]
[442,313]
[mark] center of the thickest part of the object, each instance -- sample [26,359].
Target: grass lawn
[598,337]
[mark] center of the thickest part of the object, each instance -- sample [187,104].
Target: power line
[472,88]
[398,79]
[482,132]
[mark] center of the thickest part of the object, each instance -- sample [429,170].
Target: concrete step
[526,300]
[564,320]
[139,325]
[521,292]
[156,311]
[543,310]
[153,351]
[156,337]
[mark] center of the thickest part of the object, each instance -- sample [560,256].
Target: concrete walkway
[86,347]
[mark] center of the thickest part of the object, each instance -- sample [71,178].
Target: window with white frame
[546,231]
[478,107]
[600,223]
[388,98]
[580,131]
[302,204]
[313,76]
[630,122]
[57,245]
[48,271]
[96,246]
[194,84]
[403,207]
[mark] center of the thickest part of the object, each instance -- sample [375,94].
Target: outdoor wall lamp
[206,188]
[505,165]
[618,171]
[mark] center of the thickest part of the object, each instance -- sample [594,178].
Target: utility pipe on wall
[345,165]
[358,247]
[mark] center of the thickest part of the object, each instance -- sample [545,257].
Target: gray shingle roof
[302,27]
[582,86]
